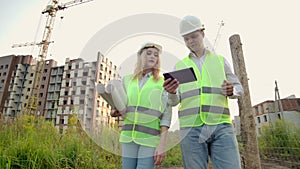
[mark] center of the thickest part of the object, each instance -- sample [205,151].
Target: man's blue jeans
[216,141]
[135,156]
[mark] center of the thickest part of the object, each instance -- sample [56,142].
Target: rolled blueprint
[106,96]
[119,97]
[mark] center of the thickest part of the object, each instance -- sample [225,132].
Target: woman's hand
[160,153]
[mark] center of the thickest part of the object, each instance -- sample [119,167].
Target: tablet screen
[183,75]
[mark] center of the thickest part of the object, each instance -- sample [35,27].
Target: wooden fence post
[250,153]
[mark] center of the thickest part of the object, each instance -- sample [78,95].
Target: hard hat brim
[192,30]
[149,45]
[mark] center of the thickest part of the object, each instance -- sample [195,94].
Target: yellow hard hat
[190,24]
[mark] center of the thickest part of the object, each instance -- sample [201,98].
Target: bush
[280,141]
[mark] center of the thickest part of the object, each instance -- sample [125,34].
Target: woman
[147,116]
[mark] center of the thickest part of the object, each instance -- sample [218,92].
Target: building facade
[79,97]
[53,93]
[65,91]
[15,80]
[44,85]
[267,112]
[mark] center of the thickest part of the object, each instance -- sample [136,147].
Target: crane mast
[218,34]
[50,11]
[32,105]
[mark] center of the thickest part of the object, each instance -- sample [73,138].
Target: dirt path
[264,166]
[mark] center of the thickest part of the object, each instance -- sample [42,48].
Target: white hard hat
[190,24]
[149,45]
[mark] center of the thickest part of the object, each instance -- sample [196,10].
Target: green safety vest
[202,101]
[144,110]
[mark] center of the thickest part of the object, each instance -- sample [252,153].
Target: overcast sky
[269,32]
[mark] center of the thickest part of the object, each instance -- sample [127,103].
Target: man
[203,113]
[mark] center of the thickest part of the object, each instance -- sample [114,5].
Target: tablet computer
[183,75]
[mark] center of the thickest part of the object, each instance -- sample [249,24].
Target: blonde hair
[138,69]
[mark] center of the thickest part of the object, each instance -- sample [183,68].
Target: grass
[33,143]
[30,143]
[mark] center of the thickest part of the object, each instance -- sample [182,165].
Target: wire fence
[279,146]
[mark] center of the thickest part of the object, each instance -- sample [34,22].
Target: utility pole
[278,101]
[50,11]
[250,153]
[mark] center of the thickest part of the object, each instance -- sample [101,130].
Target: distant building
[44,85]
[53,93]
[106,72]
[20,80]
[267,112]
[15,83]
[64,91]
[78,95]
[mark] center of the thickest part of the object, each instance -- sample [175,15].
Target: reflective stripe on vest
[142,129]
[204,108]
[196,92]
[144,110]
[202,101]
[143,113]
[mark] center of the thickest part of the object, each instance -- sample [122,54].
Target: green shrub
[280,140]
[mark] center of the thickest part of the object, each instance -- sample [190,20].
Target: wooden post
[250,152]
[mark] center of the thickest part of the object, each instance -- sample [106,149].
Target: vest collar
[192,54]
[148,75]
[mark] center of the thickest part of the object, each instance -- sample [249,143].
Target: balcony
[17,100]
[50,115]
[18,91]
[50,97]
[55,107]
[52,81]
[54,73]
[58,79]
[60,71]
[21,68]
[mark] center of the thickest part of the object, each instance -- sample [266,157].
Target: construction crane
[218,35]
[50,11]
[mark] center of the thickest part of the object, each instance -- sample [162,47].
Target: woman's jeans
[135,156]
[215,141]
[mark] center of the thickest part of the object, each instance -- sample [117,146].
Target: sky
[269,32]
